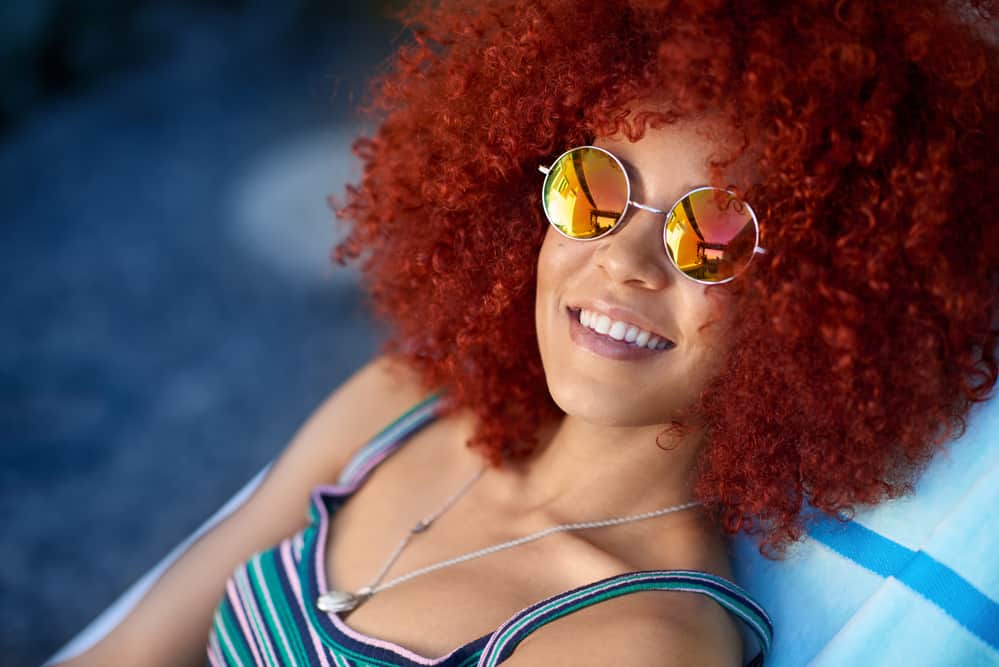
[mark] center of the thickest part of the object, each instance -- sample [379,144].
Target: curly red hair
[869,327]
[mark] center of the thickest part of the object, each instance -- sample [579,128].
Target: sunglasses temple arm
[543,170]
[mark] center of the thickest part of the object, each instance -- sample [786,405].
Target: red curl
[869,327]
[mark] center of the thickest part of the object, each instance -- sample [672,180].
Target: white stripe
[383,441]
[296,587]
[220,626]
[489,656]
[274,614]
[253,614]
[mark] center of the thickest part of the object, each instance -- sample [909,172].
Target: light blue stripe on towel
[922,573]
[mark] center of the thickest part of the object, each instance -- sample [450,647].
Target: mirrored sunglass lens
[710,234]
[585,193]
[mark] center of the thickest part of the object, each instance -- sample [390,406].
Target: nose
[634,253]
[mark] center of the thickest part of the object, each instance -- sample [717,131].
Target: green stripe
[472,659]
[253,619]
[360,659]
[340,660]
[274,623]
[406,415]
[313,615]
[268,621]
[375,442]
[235,633]
[611,593]
[606,595]
[284,606]
[223,647]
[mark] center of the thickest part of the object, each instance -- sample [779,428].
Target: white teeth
[618,330]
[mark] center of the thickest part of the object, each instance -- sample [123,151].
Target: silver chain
[341,601]
[421,526]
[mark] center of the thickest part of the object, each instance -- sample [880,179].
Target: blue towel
[913,581]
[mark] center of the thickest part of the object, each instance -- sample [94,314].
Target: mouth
[613,338]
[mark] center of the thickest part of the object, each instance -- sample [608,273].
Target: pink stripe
[495,646]
[291,572]
[274,614]
[214,652]
[362,474]
[220,624]
[244,626]
[391,438]
[381,643]
[260,627]
[320,566]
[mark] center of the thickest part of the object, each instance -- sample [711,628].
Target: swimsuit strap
[728,595]
[502,642]
[391,438]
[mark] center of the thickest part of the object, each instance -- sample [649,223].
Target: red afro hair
[870,326]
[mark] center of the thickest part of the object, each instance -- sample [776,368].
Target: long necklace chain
[342,601]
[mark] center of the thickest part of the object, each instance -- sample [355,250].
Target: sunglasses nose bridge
[634,252]
[650,209]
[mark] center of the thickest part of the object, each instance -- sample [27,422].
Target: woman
[763,272]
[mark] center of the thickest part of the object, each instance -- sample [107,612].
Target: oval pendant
[335,602]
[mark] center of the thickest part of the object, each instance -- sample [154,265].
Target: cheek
[714,333]
[707,315]
[558,260]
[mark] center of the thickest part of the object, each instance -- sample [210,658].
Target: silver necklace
[343,601]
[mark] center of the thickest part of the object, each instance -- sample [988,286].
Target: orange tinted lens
[710,235]
[585,193]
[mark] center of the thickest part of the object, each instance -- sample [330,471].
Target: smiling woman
[592,293]
[771,284]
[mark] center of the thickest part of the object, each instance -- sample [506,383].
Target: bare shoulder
[349,416]
[187,593]
[369,400]
[647,628]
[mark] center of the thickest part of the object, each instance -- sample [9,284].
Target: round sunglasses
[709,234]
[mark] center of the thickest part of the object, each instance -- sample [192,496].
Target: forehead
[675,158]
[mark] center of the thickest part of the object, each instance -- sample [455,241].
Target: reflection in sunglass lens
[585,193]
[710,234]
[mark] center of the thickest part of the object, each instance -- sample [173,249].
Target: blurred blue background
[168,315]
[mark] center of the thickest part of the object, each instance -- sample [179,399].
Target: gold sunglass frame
[667,213]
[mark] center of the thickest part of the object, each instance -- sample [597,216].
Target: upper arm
[170,625]
[636,633]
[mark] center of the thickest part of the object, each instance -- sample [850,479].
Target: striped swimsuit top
[268,615]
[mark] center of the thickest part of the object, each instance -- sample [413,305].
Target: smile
[589,336]
[622,331]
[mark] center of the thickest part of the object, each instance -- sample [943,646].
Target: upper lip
[622,313]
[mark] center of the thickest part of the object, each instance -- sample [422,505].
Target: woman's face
[627,277]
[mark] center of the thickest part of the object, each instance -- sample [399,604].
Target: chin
[607,407]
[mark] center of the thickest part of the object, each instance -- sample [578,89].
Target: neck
[587,471]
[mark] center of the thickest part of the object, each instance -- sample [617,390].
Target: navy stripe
[391,438]
[602,591]
[732,591]
[922,573]
[301,623]
[353,648]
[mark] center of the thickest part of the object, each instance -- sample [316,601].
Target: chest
[436,612]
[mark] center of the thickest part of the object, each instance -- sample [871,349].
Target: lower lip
[606,346]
